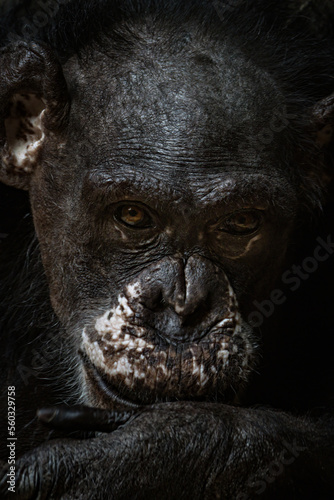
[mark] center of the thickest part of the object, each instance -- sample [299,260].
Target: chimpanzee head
[166,178]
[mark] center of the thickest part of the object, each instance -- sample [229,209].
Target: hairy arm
[183,450]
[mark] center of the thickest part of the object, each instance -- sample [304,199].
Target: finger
[83,418]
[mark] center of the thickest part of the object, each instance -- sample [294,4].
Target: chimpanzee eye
[243,222]
[133,216]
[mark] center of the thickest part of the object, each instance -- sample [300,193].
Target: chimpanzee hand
[179,450]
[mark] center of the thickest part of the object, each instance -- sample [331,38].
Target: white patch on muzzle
[122,350]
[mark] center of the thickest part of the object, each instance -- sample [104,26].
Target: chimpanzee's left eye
[133,216]
[242,223]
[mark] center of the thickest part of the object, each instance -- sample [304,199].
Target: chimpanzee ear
[34,103]
[323,119]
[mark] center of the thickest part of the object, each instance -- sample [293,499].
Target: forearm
[275,453]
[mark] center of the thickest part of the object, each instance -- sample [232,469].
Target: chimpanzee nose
[181,299]
[188,286]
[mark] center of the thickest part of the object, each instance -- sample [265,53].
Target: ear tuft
[33,103]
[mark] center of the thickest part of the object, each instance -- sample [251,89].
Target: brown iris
[133,216]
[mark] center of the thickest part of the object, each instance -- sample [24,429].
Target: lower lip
[97,379]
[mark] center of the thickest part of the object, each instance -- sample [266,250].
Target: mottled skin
[176,157]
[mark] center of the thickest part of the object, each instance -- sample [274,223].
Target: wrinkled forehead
[199,97]
[189,122]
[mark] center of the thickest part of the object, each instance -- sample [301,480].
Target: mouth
[135,356]
[141,368]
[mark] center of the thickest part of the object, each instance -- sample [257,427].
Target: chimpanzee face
[159,223]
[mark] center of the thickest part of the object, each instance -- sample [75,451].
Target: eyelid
[224,220]
[237,211]
[117,207]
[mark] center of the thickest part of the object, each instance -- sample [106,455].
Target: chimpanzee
[160,336]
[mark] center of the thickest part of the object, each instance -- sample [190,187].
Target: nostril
[194,316]
[154,302]
[161,303]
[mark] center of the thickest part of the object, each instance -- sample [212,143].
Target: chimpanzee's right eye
[133,216]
